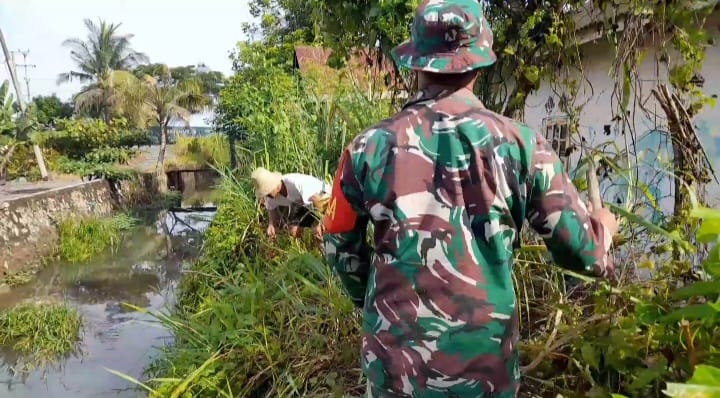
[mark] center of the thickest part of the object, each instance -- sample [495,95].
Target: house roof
[306,56]
[360,60]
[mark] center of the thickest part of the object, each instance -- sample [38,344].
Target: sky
[175,32]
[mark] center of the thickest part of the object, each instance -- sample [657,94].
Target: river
[144,272]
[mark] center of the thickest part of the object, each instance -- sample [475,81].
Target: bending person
[290,198]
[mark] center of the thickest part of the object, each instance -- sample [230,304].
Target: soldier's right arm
[577,240]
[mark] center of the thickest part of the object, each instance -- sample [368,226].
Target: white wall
[597,95]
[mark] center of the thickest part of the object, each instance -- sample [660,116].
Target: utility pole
[25,67]
[21,101]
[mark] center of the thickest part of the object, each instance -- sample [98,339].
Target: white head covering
[265,181]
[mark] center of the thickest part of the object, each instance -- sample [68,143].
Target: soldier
[447,185]
[295,195]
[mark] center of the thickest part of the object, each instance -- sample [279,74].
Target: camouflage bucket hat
[448,36]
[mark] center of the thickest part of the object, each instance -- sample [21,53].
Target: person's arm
[578,240]
[273,212]
[346,248]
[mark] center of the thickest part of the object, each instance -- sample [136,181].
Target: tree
[104,51]
[171,100]
[50,108]
[210,81]
[98,58]
[117,94]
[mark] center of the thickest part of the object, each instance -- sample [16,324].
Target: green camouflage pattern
[447,36]
[447,185]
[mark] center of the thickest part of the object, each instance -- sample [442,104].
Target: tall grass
[200,152]
[82,238]
[41,332]
[266,319]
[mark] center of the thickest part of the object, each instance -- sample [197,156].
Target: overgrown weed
[80,239]
[40,332]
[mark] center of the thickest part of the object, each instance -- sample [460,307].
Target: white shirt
[300,188]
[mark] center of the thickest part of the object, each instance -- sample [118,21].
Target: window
[557,132]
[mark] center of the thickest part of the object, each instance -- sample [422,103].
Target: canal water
[144,272]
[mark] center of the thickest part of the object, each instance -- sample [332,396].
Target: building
[371,73]
[645,137]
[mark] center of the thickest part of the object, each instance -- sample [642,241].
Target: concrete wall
[648,121]
[28,224]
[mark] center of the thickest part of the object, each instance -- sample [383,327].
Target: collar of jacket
[435,93]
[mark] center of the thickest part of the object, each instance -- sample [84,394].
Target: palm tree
[119,93]
[170,100]
[104,52]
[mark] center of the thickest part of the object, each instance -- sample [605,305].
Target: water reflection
[144,273]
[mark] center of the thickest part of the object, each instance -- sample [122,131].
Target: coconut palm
[169,101]
[99,58]
[118,93]
[104,51]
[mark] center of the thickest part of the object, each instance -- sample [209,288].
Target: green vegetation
[261,319]
[41,332]
[17,278]
[80,239]
[200,152]
[92,148]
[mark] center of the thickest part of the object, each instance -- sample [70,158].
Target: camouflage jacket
[447,185]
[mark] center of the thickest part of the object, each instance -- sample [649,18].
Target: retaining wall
[28,224]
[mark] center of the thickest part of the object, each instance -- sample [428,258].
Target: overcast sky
[176,32]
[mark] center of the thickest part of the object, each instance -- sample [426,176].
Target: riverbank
[259,318]
[112,293]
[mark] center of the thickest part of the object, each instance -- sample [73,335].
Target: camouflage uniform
[447,185]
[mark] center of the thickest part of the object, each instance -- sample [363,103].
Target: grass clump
[81,239]
[41,332]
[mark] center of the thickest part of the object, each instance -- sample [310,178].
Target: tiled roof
[361,61]
[309,55]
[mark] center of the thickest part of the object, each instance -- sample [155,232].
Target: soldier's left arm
[345,221]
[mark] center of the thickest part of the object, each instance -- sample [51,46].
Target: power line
[25,67]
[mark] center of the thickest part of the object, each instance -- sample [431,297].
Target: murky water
[143,272]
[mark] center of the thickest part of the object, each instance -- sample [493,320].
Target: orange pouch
[339,216]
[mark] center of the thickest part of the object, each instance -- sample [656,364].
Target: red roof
[308,55]
[362,60]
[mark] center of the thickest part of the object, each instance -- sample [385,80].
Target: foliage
[273,112]
[92,148]
[210,81]
[281,25]
[105,50]
[7,113]
[82,238]
[50,108]
[200,152]
[257,318]
[43,332]
[705,382]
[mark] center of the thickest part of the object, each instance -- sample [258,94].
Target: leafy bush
[91,148]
